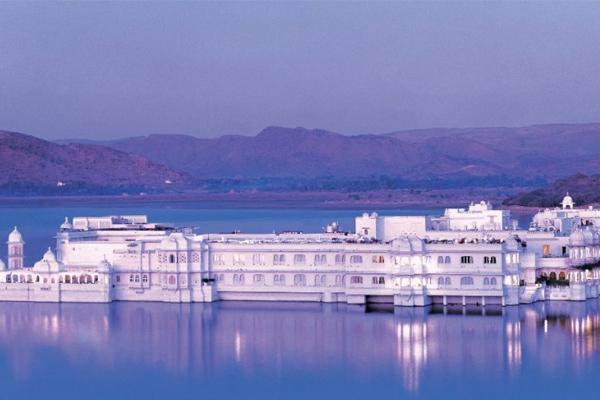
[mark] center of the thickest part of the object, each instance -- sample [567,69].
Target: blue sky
[123,68]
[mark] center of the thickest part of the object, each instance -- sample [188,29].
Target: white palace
[467,256]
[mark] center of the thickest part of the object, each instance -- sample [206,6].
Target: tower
[15,249]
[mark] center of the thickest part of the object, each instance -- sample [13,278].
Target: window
[338,280]
[493,282]
[440,260]
[320,259]
[137,279]
[172,280]
[356,259]
[171,258]
[281,280]
[145,278]
[378,280]
[492,260]
[118,278]
[300,280]
[486,281]
[182,257]
[239,259]
[258,259]
[466,280]
[218,259]
[447,281]
[258,279]
[440,281]
[486,260]
[7,278]
[278,259]
[67,279]
[378,259]
[447,260]
[131,278]
[466,260]
[299,259]
[427,259]
[340,259]
[546,249]
[357,280]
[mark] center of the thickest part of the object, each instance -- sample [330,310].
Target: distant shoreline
[375,200]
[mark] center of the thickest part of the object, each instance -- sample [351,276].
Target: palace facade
[467,256]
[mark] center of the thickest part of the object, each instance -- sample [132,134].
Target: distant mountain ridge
[32,164]
[546,151]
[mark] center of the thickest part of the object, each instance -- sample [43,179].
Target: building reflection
[271,338]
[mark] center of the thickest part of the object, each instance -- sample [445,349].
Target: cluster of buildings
[467,256]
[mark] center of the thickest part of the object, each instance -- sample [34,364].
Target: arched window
[440,281]
[172,280]
[145,278]
[130,278]
[323,259]
[466,260]
[323,280]
[171,258]
[378,259]
[374,280]
[440,260]
[8,278]
[67,279]
[242,279]
[561,276]
[356,259]
[466,280]
[357,280]
[300,280]
[493,260]
[317,259]
[299,259]
[447,260]
[447,281]
[317,280]
[282,280]
[275,259]
[137,279]
[552,276]
[381,280]
[258,279]
[74,279]
[338,280]
[276,280]
[486,260]
[493,282]
[486,281]
[282,259]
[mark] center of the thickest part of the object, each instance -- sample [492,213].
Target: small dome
[48,263]
[15,237]
[104,266]
[567,202]
[577,238]
[66,225]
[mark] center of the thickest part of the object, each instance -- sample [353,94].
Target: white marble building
[407,261]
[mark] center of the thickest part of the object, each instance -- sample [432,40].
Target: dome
[577,239]
[104,266]
[567,202]
[48,263]
[15,237]
[66,225]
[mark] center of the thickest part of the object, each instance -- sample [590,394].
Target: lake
[249,350]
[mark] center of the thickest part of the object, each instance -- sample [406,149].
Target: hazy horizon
[107,70]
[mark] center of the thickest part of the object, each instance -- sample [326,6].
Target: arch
[561,276]
[67,279]
[172,280]
[493,260]
[276,280]
[440,281]
[440,260]
[552,276]
[486,281]
[447,281]
[447,260]
[493,281]
[486,260]
[317,259]
[381,280]
[282,280]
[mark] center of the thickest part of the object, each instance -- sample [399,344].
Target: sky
[112,69]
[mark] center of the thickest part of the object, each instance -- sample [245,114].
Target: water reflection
[264,339]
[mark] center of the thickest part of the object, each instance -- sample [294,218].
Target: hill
[540,152]
[583,188]
[33,165]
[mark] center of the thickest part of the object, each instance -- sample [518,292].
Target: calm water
[245,350]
